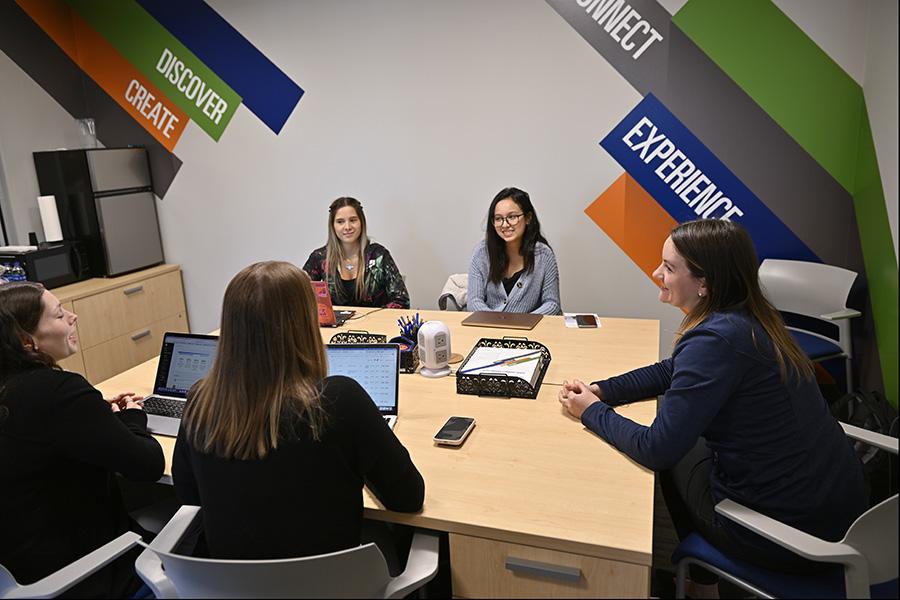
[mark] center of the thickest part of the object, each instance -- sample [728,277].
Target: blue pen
[501,362]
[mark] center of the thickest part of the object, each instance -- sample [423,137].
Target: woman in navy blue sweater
[742,416]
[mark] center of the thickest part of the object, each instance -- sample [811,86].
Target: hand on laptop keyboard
[123,401]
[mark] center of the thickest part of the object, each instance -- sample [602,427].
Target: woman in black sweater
[275,452]
[61,445]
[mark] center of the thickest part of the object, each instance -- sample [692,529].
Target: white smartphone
[454,431]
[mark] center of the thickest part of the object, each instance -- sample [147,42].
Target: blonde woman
[359,272]
[275,452]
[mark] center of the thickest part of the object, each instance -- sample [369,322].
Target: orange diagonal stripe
[109,69]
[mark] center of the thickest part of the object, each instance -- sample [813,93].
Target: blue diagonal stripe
[264,88]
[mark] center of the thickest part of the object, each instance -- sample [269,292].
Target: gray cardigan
[535,292]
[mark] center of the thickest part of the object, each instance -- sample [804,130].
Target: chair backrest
[874,535]
[806,288]
[355,573]
[454,294]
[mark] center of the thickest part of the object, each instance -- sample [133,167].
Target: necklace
[350,267]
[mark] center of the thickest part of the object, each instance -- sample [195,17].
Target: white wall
[421,110]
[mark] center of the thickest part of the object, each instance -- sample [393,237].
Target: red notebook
[327,316]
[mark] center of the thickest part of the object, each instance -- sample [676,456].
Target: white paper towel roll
[50,218]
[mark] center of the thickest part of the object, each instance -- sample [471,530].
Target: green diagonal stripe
[785,72]
[823,109]
[165,61]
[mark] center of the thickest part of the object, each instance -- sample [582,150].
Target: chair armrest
[421,566]
[799,542]
[56,583]
[149,566]
[847,313]
[879,440]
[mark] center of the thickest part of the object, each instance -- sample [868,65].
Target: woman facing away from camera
[275,452]
[513,269]
[61,445]
[742,416]
[359,272]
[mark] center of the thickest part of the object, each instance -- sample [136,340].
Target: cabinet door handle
[133,290]
[534,567]
[140,335]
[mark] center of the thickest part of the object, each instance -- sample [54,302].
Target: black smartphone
[586,320]
[454,431]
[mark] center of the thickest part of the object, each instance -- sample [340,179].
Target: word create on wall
[142,99]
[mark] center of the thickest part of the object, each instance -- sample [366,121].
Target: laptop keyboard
[164,407]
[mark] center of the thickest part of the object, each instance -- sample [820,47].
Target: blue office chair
[812,297]
[865,561]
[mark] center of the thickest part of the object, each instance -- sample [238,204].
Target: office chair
[454,295]
[812,297]
[359,572]
[56,583]
[865,561]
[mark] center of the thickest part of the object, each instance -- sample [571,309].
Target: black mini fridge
[105,199]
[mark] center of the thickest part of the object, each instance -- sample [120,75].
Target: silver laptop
[184,359]
[376,367]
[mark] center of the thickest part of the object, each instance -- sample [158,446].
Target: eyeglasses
[512,220]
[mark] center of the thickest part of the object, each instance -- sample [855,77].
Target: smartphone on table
[454,431]
[586,320]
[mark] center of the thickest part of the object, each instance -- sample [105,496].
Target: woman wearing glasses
[513,269]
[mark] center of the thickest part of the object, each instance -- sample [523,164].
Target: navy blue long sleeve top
[776,448]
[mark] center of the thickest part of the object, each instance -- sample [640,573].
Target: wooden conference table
[536,505]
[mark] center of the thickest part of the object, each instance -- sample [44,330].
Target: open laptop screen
[376,367]
[184,359]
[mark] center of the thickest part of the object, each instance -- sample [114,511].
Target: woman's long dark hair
[723,253]
[21,307]
[265,371]
[497,247]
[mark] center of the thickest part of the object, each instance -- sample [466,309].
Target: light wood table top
[528,473]
[589,354]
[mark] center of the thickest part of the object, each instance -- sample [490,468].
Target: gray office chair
[864,563]
[56,583]
[454,295]
[359,572]
[818,294]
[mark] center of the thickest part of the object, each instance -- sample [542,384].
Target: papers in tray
[509,362]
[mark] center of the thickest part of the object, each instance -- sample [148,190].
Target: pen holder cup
[409,356]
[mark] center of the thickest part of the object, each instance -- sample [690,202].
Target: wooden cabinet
[491,569]
[121,320]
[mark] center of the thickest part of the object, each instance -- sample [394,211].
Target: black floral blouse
[384,284]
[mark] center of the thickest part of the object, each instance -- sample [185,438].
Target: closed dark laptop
[505,320]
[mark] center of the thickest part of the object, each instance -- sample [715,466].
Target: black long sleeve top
[60,449]
[305,496]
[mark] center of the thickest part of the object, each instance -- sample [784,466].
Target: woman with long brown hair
[359,272]
[61,445]
[274,451]
[742,416]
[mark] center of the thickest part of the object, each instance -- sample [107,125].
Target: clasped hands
[577,396]
[123,401]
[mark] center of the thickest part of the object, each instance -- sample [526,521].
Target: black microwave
[52,264]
